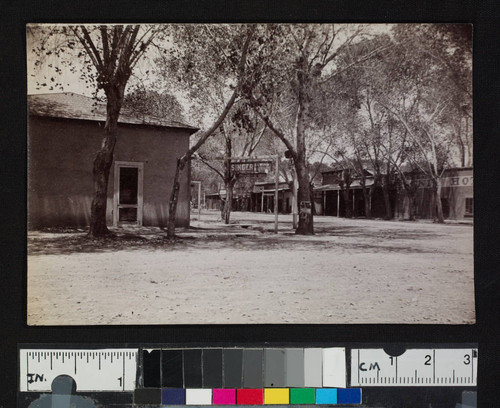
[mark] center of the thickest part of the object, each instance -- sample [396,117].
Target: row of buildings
[65,132]
[330,199]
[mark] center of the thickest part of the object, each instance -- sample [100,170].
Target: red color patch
[250,396]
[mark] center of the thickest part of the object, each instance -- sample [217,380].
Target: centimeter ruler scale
[415,367]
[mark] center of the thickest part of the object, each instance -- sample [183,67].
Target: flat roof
[69,105]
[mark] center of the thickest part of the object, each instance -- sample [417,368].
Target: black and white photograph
[250,174]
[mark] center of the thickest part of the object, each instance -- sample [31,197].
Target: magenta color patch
[223,396]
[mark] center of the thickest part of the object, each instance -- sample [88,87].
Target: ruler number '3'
[467,359]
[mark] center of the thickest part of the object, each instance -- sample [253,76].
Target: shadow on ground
[255,237]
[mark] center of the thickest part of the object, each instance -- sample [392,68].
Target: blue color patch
[173,396]
[326,396]
[349,395]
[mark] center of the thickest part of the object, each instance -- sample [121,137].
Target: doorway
[127,197]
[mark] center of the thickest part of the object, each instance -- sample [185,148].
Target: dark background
[485,15]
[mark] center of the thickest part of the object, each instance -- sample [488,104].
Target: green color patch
[302,396]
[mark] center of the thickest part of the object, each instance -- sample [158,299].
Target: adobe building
[65,132]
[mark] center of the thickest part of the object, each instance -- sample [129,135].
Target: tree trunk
[410,191]
[228,177]
[228,204]
[366,196]
[387,201]
[411,206]
[174,197]
[305,226]
[102,165]
[437,197]
[311,195]
[347,202]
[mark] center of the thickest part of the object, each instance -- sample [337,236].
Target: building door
[127,198]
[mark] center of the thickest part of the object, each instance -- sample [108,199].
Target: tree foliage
[143,101]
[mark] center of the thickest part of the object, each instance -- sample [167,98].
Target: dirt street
[351,271]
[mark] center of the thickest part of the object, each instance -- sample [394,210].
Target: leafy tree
[105,56]
[284,80]
[226,47]
[426,79]
[240,135]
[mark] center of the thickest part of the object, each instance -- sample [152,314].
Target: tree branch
[229,104]
[359,61]
[204,161]
[89,47]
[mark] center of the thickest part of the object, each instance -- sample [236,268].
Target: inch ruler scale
[92,370]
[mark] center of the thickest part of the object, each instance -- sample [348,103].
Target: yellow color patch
[276,396]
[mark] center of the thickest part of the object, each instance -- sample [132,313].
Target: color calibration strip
[232,376]
[244,368]
[248,396]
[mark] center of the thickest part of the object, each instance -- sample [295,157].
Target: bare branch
[95,58]
[205,162]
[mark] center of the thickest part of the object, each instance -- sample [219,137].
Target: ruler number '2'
[428,359]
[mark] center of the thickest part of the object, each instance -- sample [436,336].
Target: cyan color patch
[326,396]
[349,396]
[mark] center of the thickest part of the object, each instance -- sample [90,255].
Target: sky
[72,82]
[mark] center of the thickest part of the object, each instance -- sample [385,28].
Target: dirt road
[351,271]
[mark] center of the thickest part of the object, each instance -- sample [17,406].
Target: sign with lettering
[253,167]
[457,181]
